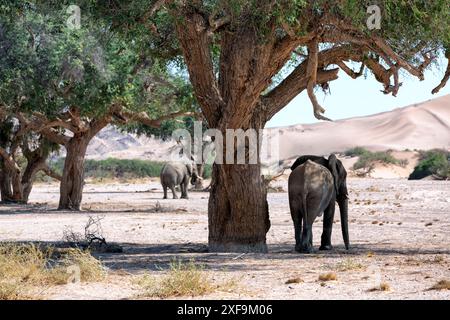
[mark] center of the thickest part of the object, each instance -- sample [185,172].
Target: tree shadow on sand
[137,258]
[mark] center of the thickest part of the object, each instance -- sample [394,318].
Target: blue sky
[352,98]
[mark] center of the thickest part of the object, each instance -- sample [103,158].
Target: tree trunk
[238,210]
[17,187]
[34,165]
[5,184]
[71,189]
[10,186]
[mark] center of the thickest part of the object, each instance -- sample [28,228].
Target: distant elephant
[177,173]
[315,184]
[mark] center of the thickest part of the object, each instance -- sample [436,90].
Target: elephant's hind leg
[298,231]
[306,244]
[184,186]
[328,219]
[172,187]
[165,191]
[297,219]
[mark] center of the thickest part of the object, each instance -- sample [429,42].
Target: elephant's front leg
[328,219]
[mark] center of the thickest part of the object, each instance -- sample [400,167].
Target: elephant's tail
[305,193]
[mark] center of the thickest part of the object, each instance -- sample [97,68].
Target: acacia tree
[235,49]
[73,83]
[254,41]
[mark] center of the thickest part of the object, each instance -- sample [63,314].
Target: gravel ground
[399,231]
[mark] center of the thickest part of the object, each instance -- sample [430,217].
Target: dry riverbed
[399,231]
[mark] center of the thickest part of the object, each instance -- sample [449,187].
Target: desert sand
[400,235]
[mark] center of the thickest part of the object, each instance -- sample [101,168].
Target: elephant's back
[171,173]
[312,175]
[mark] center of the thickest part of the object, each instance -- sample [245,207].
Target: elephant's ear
[333,166]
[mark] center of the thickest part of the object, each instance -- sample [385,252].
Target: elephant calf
[177,173]
[315,184]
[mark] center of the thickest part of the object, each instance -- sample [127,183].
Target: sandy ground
[400,234]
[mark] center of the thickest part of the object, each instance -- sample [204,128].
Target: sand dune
[421,126]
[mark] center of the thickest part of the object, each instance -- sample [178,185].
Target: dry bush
[93,233]
[27,270]
[92,239]
[441,285]
[182,280]
[330,276]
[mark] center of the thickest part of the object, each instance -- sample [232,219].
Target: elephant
[177,173]
[314,186]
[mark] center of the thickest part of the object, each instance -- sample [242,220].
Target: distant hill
[422,126]
[110,143]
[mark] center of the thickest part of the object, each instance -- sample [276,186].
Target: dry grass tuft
[294,280]
[27,270]
[384,286]
[330,276]
[441,285]
[182,280]
[349,265]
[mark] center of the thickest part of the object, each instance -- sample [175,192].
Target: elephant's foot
[184,197]
[165,197]
[326,247]
[307,250]
[304,249]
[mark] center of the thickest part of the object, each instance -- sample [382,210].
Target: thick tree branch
[446,75]
[349,71]
[311,73]
[51,173]
[297,81]
[9,161]
[195,42]
[278,99]
[143,118]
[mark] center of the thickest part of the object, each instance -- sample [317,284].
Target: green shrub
[356,152]
[367,158]
[433,162]
[121,168]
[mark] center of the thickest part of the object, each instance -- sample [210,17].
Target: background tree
[23,155]
[74,82]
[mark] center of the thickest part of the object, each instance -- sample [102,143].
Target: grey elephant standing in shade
[315,184]
[177,173]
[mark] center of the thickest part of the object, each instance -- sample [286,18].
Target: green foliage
[356,152]
[433,162]
[117,168]
[368,158]
[46,66]
[113,168]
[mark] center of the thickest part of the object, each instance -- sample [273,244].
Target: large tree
[235,52]
[254,41]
